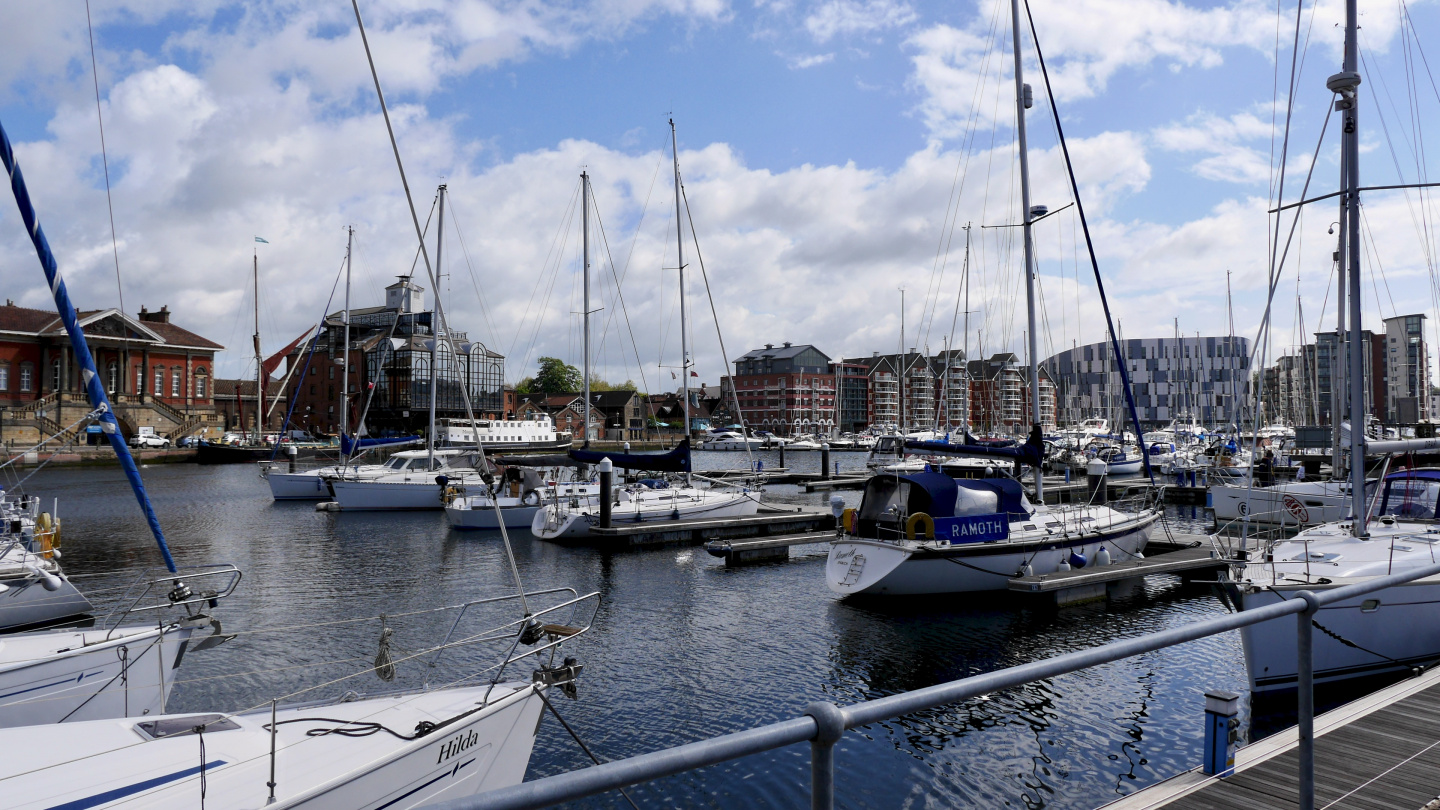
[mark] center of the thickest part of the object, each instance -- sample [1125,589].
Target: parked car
[149,440]
[188,441]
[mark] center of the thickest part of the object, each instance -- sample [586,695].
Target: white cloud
[1228,144]
[849,17]
[809,60]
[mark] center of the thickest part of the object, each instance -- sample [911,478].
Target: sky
[832,152]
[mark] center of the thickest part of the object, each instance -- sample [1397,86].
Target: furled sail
[676,460]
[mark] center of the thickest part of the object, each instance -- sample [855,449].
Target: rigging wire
[105,164]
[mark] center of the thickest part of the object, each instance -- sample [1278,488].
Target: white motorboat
[730,440]
[1118,461]
[803,444]
[644,502]
[929,533]
[416,480]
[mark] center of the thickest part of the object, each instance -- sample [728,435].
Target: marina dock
[1382,750]
[1187,556]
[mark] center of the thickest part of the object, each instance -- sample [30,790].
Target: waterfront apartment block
[787,389]
[1300,386]
[1204,378]
[1000,396]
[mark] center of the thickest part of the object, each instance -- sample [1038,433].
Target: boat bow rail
[203,585]
[823,724]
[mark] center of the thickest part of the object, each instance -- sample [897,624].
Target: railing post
[1305,698]
[829,728]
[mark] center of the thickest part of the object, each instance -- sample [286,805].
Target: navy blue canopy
[350,446]
[677,460]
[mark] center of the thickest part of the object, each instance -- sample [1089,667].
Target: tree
[597,384]
[556,377]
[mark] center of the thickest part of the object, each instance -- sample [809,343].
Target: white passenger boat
[928,533]
[535,432]
[415,480]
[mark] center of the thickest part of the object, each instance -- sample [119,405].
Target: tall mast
[435,335]
[1022,101]
[1338,395]
[345,351]
[1230,350]
[680,263]
[1346,83]
[259,362]
[585,305]
[900,367]
[965,425]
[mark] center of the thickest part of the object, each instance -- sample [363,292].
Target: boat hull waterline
[872,567]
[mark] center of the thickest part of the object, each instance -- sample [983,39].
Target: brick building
[390,347]
[788,390]
[157,374]
[1000,395]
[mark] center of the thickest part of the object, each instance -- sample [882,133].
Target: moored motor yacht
[416,480]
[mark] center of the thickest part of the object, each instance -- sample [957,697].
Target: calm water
[681,649]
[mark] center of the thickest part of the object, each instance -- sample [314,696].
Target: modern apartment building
[787,389]
[1000,395]
[1207,378]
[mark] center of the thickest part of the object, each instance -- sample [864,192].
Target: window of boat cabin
[1412,498]
[396,463]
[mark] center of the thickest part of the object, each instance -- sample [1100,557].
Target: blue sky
[820,142]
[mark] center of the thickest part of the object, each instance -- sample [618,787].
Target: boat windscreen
[1412,498]
[884,494]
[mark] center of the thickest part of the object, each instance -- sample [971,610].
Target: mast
[900,368]
[1337,365]
[1230,350]
[435,336]
[259,361]
[345,352]
[1346,84]
[965,425]
[585,305]
[1022,101]
[680,263]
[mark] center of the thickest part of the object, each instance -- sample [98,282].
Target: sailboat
[473,734]
[658,499]
[419,477]
[63,675]
[927,533]
[1388,630]
[34,590]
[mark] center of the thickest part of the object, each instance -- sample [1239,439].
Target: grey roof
[780,352]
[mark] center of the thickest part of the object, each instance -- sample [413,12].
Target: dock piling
[607,481]
[825,461]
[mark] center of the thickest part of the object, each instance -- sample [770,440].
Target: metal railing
[824,723]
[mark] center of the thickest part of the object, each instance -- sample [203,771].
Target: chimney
[787,344]
[163,316]
[875,354]
[769,345]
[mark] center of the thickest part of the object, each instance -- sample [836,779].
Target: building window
[312,390]
[4,376]
[175,383]
[314,371]
[112,376]
[159,381]
[139,380]
[55,375]
[200,383]
[332,372]
[27,377]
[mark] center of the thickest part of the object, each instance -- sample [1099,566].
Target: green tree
[555,377]
[525,386]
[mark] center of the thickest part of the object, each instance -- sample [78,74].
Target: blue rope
[93,388]
[1090,246]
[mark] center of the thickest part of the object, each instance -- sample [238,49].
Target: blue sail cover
[93,388]
[1032,452]
[349,446]
[677,460]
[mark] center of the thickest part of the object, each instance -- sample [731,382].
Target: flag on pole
[262,241]
[694,374]
[673,377]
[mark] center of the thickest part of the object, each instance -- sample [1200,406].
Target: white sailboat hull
[551,522]
[111,764]
[516,517]
[876,567]
[299,486]
[1396,628]
[1304,504]
[420,493]
[125,673]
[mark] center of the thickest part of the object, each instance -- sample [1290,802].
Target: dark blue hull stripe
[81,677]
[130,790]
[412,792]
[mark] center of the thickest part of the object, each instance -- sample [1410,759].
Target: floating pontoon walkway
[1381,751]
[1185,556]
[771,521]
